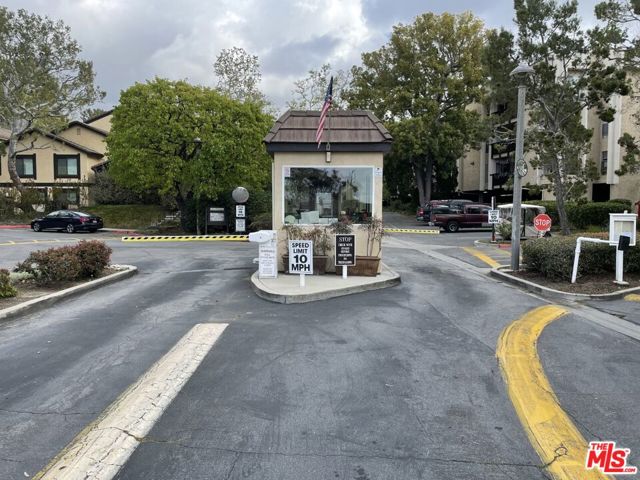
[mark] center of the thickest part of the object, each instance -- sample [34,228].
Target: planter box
[364,267]
[319,264]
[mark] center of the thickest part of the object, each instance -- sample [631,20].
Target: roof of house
[347,130]
[98,117]
[77,146]
[4,134]
[99,131]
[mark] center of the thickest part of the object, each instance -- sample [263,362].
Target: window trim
[57,157]
[325,166]
[604,130]
[35,170]
[603,154]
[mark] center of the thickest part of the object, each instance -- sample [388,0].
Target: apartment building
[61,163]
[486,170]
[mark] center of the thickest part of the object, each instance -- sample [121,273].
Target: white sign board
[494,217]
[267,257]
[301,257]
[240,225]
[240,211]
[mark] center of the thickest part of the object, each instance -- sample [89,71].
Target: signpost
[241,211]
[301,258]
[345,252]
[542,223]
[494,219]
[241,195]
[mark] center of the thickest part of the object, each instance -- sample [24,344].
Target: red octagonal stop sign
[542,222]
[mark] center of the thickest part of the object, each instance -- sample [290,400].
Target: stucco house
[60,163]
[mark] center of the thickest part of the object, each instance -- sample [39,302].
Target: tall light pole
[520,73]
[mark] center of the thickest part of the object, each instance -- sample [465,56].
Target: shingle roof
[358,130]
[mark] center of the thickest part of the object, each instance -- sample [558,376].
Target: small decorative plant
[320,239]
[375,231]
[293,232]
[342,226]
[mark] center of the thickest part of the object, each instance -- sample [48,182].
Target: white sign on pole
[240,225]
[240,211]
[301,257]
[267,257]
[494,217]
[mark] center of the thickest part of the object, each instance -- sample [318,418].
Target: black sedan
[67,220]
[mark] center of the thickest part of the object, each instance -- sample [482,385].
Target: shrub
[623,201]
[6,289]
[94,256]
[261,222]
[66,264]
[553,257]
[504,230]
[51,266]
[581,215]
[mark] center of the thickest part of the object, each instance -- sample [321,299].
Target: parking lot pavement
[625,309]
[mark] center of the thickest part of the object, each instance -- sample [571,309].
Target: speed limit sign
[301,257]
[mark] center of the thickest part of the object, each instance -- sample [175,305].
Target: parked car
[472,215]
[67,220]
[422,214]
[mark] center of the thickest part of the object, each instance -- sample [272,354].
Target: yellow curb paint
[632,297]
[413,230]
[481,256]
[555,438]
[188,238]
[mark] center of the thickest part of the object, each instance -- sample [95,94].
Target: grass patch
[128,216]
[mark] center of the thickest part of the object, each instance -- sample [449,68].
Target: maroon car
[471,215]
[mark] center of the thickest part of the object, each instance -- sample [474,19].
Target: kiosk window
[322,195]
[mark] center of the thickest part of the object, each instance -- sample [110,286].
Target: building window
[26,166]
[66,166]
[605,129]
[322,195]
[604,160]
[66,196]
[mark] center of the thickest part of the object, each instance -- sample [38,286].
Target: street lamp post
[520,73]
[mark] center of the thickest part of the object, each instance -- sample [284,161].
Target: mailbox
[622,224]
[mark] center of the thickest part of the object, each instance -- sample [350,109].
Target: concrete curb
[501,273]
[39,303]
[312,297]
[14,227]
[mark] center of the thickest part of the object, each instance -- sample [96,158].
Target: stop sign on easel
[542,222]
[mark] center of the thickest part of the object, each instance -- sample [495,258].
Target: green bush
[553,257]
[623,201]
[94,256]
[6,289]
[66,264]
[581,215]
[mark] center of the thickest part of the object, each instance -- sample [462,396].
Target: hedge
[66,264]
[6,289]
[553,258]
[581,215]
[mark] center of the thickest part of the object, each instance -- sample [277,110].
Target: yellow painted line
[555,438]
[104,446]
[186,238]
[413,230]
[481,256]
[35,242]
[632,297]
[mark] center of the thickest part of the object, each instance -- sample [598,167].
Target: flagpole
[328,147]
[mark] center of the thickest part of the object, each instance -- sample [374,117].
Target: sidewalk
[287,289]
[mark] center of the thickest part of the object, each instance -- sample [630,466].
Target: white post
[620,267]
[344,272]
[576,259]
[302,280]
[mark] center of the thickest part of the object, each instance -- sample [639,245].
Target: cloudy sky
[135,40]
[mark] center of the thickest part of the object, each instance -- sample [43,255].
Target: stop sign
[542,222]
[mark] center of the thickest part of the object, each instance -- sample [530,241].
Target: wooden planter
[364,267]
[319,264]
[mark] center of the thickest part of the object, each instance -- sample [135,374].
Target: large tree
[572,74]
[619,31]
[239,75]
[186,141]
[43,82]
[424,80]
[309,92]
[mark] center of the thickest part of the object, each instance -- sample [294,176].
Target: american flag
[324,111]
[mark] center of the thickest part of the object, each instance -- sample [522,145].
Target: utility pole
[520,73]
